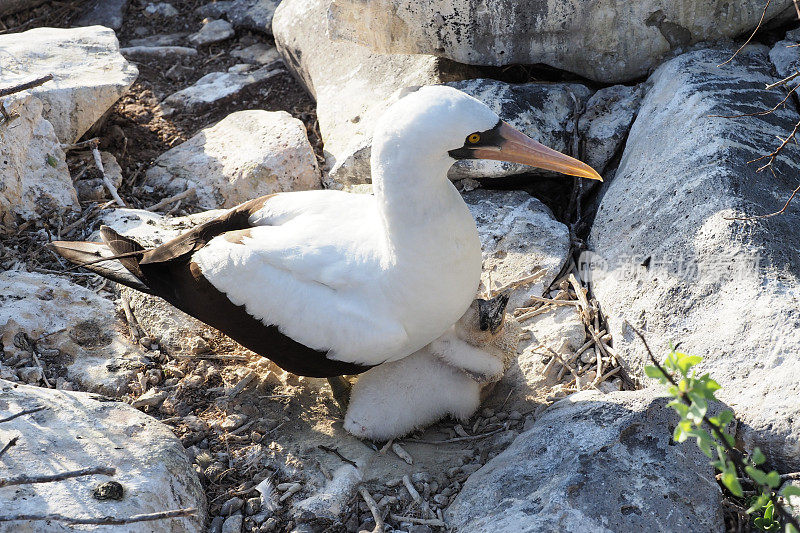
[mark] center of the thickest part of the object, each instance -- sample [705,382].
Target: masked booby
[324,282]
[450,376]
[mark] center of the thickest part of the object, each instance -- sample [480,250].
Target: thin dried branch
[8,445]
[457,439]
[373,508]
[23,413]
[110,186]
[61,476]
[176,198]
[772,156]
[435,522]
[25,86]
[787,79]
[758,27]
[103,521]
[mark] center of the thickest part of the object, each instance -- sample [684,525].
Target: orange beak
[517,147]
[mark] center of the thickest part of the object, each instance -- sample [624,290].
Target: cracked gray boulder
[76,430]
[594,462]
[352,85]
[89,73]
[605,40]
[727,290]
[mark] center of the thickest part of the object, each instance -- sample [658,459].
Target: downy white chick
[446,377]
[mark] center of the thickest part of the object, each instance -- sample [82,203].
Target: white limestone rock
[89,73]
[245,155]
[605,122]
[212,31]
[727,290]
[544,111]
[34,178]
[253,15]
[82,326]
[594,462]
[258,53]
[216,86]
[519,238]
[352,86]
[607,40]
[75,431]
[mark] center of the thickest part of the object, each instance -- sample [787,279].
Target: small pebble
[394,482]
[252,506]
[421,477]
[193,382]
[110,490]
[441,499]
[30,374]
[214,472]
[459,429]
[233,421]
[502,415]
[487,412]
[216,524]
[232,524]
[231,506]
[589,356]
[515,415]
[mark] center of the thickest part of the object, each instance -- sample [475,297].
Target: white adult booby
[326,283]
[449,376]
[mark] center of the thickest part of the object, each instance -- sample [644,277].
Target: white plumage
[368,278]
[445,378]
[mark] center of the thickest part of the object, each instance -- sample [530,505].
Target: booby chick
[450,376]
[324,282]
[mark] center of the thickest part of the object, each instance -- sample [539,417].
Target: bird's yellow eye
[473,138]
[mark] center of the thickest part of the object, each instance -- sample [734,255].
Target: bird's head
[483,320]
[440,123]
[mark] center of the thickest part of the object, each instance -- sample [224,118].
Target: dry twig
[104,521]
[435,522]
[22,413]
[176,198]
[8,445]
[48,478]
[373,508]
[112,189]
[25,86]
[760,22]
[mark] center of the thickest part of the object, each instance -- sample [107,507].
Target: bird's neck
[413,193]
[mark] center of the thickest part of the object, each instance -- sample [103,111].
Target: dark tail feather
[90,254]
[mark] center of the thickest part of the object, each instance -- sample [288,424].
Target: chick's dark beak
[491,313]
[516,147]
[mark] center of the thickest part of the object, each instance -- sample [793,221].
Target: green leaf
[774,479]
[790,490]
[653,372]
[757,456]
[759,476]
[731,482]
[685,362]
[791,529]
[52,161]
[758,504]
[704,441]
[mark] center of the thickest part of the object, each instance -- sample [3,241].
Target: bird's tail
[116,258]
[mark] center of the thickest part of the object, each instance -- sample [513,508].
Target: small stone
[270,525]
[441,499]
[110,490]
[387,500]
[487,412]
[198,345]
[233,422]
[502,415]
[216,524]
[214,472]
[231,506]
[421,477]
[252,506]
[232,524]
[586,379]
[420,528]
[259,53]
[162,9]
[394,482]
[515,415]
[589,356]
[213,31]
[30,374]
[151,398]
[193,382]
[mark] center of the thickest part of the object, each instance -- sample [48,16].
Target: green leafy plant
[691,395]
